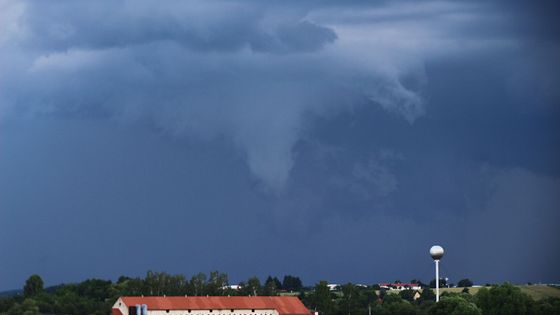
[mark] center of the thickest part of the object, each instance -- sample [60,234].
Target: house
[333,286]
[399,286]
[232,287]
[209,305]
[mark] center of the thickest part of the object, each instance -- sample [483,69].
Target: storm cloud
[196,69]
[339,133]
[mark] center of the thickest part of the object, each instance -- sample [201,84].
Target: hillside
[536,291]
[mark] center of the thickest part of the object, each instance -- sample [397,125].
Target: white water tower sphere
[436,252]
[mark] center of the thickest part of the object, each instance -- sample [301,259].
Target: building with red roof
[209,305]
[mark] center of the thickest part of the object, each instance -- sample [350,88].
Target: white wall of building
[124,309]
[214,312]
[120,305]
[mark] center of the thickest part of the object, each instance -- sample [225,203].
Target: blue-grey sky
[330,140]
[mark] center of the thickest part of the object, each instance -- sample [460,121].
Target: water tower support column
[437,279]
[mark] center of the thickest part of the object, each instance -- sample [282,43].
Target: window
[210,311]
[253,311]
[232,310]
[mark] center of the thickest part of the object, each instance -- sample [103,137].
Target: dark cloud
[177,66]
[253,132]
[218,26]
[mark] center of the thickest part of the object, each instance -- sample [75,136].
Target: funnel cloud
[338,133]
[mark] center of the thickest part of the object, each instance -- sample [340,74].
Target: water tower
[437,252]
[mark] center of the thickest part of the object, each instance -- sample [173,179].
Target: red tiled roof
[282,304]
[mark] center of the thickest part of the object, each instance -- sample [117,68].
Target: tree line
[96,296]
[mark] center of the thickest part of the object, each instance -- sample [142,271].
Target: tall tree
[407,295]
[291,283]
[442,283]
[427,295]
[454,305]
[33,286]
[504,299]
[217,283]
[350,303]
[197,285]
[277,283]
[252,287]
[321,299]
[270,287]
[28,307]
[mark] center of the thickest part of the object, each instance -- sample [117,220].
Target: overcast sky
[325,139]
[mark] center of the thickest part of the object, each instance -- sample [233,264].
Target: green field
[540,291]
[536,291]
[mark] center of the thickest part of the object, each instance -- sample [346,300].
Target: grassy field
[536,291]
[540,291]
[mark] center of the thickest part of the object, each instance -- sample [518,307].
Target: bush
[454,305]
[548,306]
[427,295]
[28,307]
[407,295]
[505,299]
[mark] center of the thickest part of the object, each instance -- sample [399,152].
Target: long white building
[209,305]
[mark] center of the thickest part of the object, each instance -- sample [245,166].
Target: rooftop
[282,304]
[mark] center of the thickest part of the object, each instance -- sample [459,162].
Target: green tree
[504,299]
[95,289]
[321,299]
[270,287]
[454,305]
[197,285]
[291,283]
[350,301]
[427,294]
[28,307]
[548,306]
[33,286]
[394,304]
[368,298]
[6,304]
[392,298]
[464,283]
[404,308]
[407,295]
[123,279]
[217,283]
[252,287]
[442,283]
[277,283]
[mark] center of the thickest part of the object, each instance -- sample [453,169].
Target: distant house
[399,286]
[232,287]
[209,305]
[336,286]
